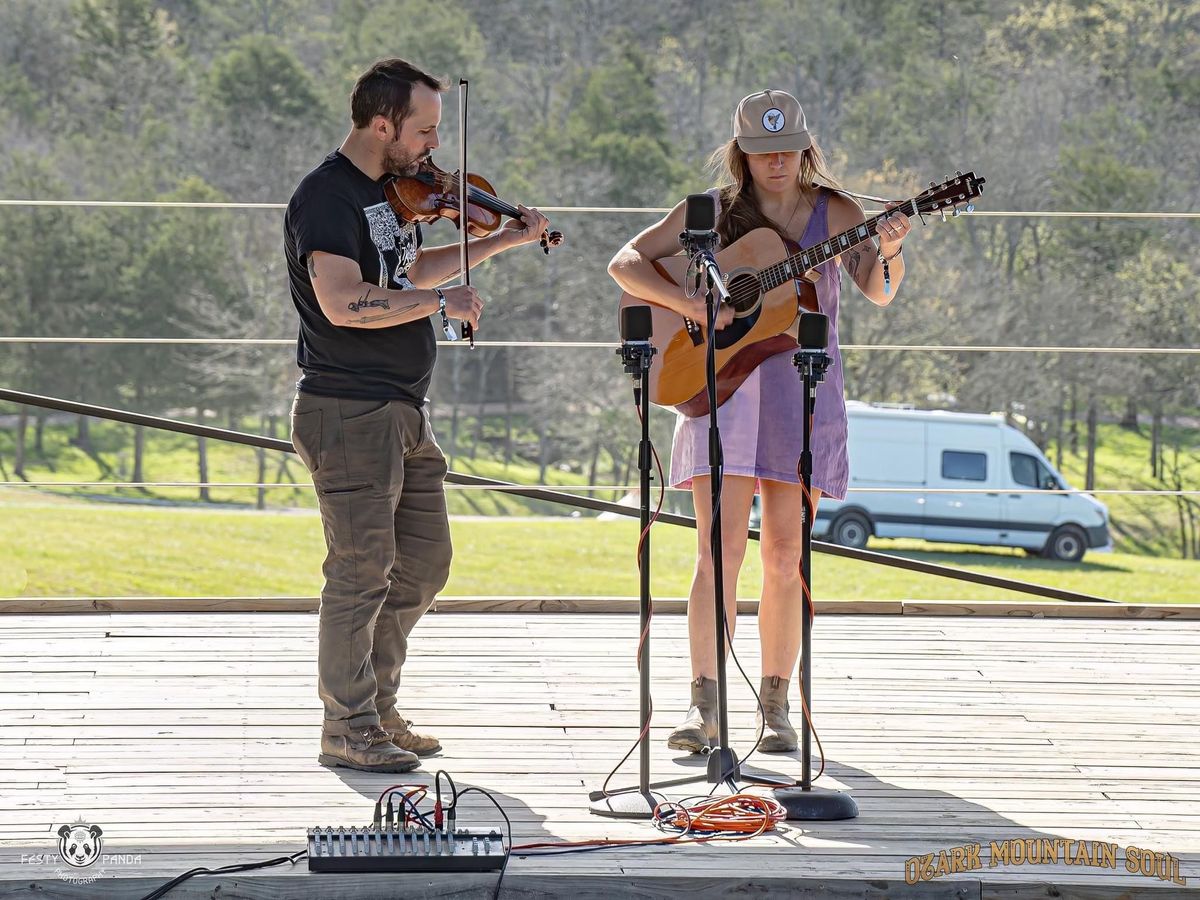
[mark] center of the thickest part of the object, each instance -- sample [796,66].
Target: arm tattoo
[363,302]
[394,314]
[851,262]
[856,261]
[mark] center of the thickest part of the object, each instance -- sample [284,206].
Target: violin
[433,193]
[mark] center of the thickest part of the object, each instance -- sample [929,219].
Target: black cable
[508,824]
[644,734]
[762,713]
[762,724]
[720,461]
[223,870]
[437,784]
[416,813]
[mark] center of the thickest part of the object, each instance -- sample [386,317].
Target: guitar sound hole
[745,291]
[746,294]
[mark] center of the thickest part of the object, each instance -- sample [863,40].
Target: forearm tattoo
[394,314]
[856,261]
[364,303]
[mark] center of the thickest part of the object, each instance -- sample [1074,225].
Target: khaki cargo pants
[378,475]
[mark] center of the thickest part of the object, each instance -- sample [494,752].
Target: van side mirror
[1050,483]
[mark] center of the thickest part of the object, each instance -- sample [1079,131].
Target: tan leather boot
[402,735]
[368,749]
[697,732]
[778,734]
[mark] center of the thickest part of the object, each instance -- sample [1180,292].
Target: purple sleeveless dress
[761,424]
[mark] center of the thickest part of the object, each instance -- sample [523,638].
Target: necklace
[792,215]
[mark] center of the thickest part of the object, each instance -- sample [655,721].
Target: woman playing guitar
[769,170]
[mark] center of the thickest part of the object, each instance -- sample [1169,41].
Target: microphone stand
[723,765]
[804,801]
[639,802]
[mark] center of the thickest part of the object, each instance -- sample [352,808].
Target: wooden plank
[602,604]
[944,732]
[1051,610]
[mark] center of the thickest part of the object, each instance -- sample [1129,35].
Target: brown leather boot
[778,734]
[697,732]
[368,749]
[402,735]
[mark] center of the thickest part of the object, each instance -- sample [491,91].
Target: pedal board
[395,850]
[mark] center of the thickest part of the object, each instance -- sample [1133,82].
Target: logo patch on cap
[773,120]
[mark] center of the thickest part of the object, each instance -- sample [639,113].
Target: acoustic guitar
[760,277]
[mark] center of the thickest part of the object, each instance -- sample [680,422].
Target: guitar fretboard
[810,257]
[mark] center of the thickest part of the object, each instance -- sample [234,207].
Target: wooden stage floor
[191,739]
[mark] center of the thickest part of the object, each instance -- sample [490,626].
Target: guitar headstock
[952,195]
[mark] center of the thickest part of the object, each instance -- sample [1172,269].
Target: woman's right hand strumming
[633,269]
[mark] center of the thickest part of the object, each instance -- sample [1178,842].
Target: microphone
[811,360]
[699,237]
[700,216]
[636,351]
[814,331]
[636,324]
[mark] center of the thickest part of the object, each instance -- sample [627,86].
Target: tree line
[1062,106]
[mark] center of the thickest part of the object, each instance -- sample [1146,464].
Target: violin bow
[463,258]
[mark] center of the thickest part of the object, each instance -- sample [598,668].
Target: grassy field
[173,458]
[161,541]
[59,547]
[1140,524]
[1143,525]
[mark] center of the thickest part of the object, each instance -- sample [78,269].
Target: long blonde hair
[740,212]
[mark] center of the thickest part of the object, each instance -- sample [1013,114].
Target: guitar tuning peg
[943,214]
[970,207]
[956,212]
[933,184]
[958,173]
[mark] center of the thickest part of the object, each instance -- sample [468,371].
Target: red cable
[642,538]
[811,507]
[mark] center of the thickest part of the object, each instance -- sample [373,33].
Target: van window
[1025,470]
[963,466]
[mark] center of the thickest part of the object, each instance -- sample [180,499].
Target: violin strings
[452,182]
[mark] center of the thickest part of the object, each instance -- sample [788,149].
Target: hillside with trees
[1089,105]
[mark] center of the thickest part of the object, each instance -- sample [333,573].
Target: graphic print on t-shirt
[385,229]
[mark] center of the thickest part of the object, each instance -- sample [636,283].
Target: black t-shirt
[337,208]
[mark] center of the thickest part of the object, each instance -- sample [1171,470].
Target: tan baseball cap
[770,122]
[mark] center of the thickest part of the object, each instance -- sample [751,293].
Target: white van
[921,451]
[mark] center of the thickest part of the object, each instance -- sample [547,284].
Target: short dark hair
[385,89]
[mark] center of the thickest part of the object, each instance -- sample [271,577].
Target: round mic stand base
[628,805]
[816,804]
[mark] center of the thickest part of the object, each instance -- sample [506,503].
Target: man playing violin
[365,289]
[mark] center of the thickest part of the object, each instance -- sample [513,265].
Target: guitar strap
[858,196]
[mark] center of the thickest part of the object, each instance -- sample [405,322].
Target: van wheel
[1066,543]
[851,530]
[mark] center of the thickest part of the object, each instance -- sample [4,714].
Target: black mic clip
[698,243]
[636,356]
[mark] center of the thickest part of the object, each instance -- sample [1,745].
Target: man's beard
[399,162]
